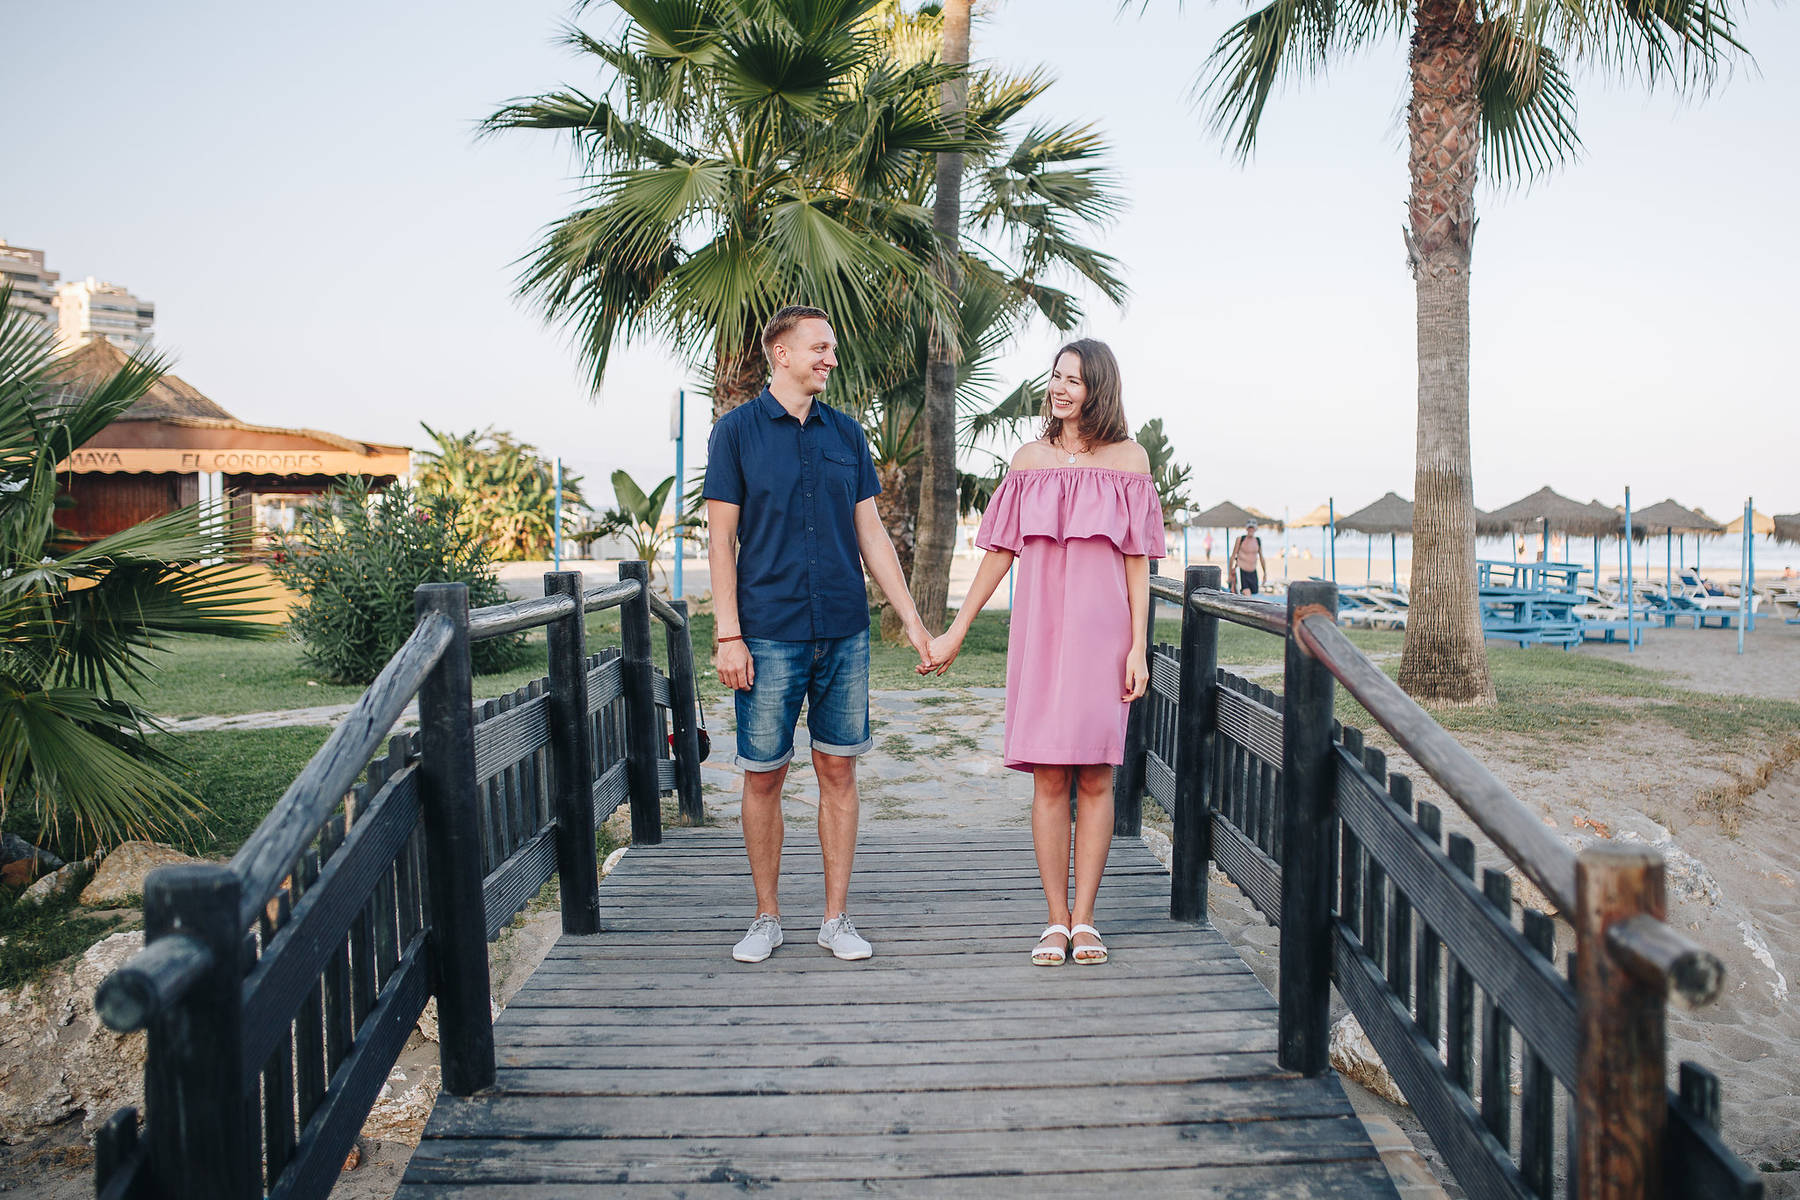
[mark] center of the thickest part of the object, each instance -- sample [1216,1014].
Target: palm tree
[1488,89]
[79,618]
[743,155]
[501,491]
[1170,476]
[930,568]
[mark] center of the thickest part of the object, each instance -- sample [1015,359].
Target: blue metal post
[1630,608]
[557,552]
[1331,516]
[1746,572]
[680,480]
[1394,558]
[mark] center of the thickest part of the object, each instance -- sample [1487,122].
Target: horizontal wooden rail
[1546,861]
[498,620]
[268,855]
[154,979]
[1661,956]
[665,612]
[610,596]
[1167,587]
[1270,616]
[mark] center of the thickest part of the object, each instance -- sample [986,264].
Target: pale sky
[299,190]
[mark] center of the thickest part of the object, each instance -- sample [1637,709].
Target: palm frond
[1527,107]
[1284,38]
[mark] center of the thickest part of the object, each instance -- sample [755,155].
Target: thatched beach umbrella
[1787,528]
[1672,520]
[1760,524]
[1555,511]
[1390,515]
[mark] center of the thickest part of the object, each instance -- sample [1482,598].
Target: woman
[1079,511]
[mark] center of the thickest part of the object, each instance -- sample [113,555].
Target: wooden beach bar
[176,446]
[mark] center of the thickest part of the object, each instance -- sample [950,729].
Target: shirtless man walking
[1247,560]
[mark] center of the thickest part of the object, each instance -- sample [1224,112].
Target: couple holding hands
[790,491]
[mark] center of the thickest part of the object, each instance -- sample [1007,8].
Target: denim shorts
[831,675]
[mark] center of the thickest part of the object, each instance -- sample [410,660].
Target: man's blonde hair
[785,319]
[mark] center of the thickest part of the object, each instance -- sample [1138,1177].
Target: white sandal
[1095,955]
[1050,956]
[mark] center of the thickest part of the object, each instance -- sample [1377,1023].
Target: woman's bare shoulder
[1035,453]
[1127,455]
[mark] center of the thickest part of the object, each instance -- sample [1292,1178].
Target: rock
[122,872]
[57,1061]
[612,860]
[400,1117]
[18,872]
[1159,845]
[1355,1058]
[65,878]
[13,847]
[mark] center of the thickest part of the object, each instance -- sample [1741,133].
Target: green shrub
[356,559]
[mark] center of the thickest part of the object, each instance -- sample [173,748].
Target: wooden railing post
[1621,1104]
[684,701]
[1196,717]
[451,813]
[642,729]
[571,761]
[1308,798]
[1128,776]
[203,1137]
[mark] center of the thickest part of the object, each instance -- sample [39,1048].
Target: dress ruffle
[1063,503]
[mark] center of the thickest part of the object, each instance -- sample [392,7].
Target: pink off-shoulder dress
[1071,528]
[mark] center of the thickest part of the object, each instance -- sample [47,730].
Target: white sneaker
[839,936]
[760,942]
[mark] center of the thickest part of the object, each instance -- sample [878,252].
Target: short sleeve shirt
[799,569]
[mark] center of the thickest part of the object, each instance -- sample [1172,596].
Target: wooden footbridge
[640,1060]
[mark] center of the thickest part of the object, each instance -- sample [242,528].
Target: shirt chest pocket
[840,474]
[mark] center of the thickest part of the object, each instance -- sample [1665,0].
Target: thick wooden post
[642,729]
[203,1137]
[1620,1097]
[1196,718]
[571,761]
[451,813]
[1128,776]
[684,700]
[1307,805]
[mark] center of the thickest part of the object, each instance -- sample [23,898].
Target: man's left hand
[920,637]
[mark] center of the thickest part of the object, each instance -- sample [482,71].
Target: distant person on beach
[790,502]
[1787,572]
[1248,562]
[1079,512]
[1209,544]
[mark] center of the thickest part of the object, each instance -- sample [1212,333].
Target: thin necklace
[1064,446]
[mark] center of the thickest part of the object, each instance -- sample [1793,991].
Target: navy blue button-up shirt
[799,570]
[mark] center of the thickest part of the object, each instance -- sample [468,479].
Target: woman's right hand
[944,649]
[737,670]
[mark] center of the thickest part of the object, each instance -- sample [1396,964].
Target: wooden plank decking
[644,1062]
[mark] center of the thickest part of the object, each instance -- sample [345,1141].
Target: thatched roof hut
[1559,513]
[1318,517]
[1226,515]
[1670,517]
[176,446]
[1390,514]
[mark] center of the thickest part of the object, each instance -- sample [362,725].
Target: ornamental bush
[355,559]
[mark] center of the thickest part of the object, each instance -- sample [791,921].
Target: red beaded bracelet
[720,641]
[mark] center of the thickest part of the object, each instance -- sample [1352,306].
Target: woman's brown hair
[1102,420]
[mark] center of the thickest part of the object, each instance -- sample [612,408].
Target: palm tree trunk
[898,505]
[739,374]
[1445,658]
[930,574]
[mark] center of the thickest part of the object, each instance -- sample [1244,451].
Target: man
[1246,559]
[790,501]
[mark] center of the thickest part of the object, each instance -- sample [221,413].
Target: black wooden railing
[1530,1084]
[278,990]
